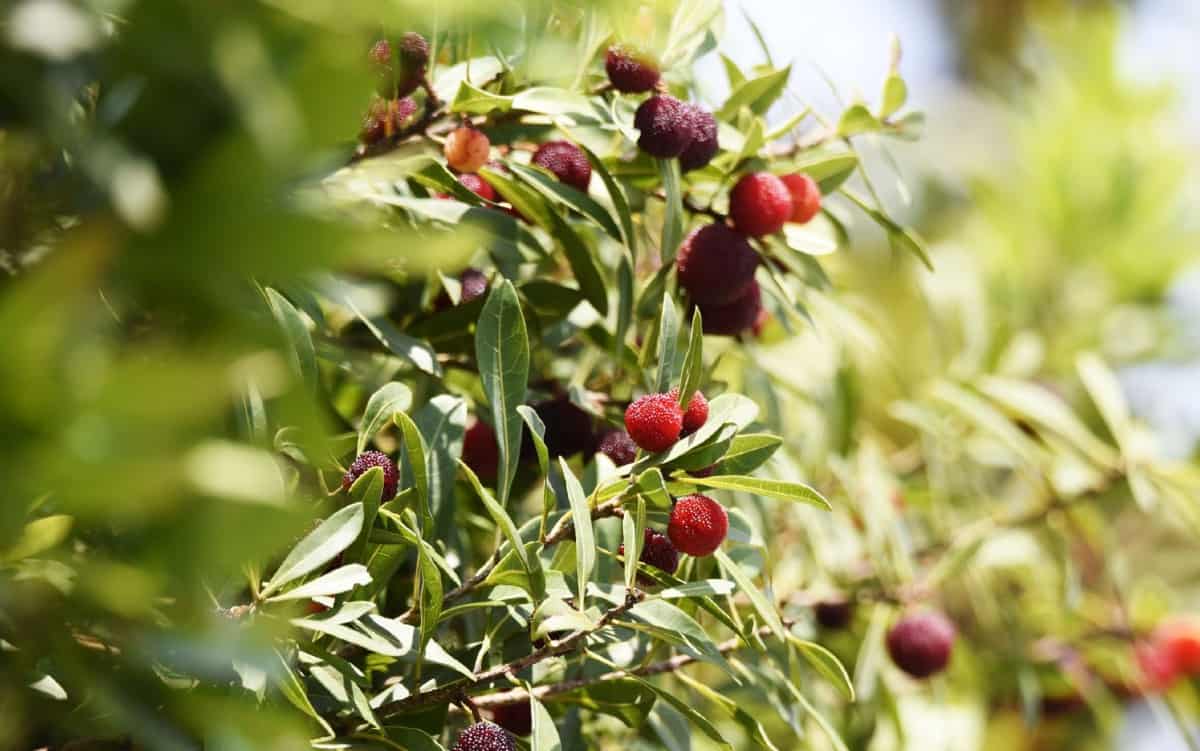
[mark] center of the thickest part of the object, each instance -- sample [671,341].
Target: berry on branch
[696,413]
[760,204]
[834,613]
[414,56]
[698,525]
[736,316]
[516,718]
[618,446]
[467,149]
[367,460]
[665,125]
[657,551]
[715,264]
[478,186]
[654,422]
[567,161]
[484,736]
[806,197]
[630,71]
[920,644]
[704,143]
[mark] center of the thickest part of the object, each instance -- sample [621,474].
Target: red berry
[515,718]
[1180,639]
[715,264]
[654,422]
[567,161]
[367,460]
[806,197]
[696,413]
[478,186]
[734,317]
[1158,669]
[704,145]
[666,126]
[698,525]
[618,446]
[484,736]
[467,149]
[480,451]
[834,613]
[760,204]
[920,644]
[657,551]
[629,70]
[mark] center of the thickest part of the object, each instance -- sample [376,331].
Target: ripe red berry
[698,525]
[760,204]
[515,718]
[630,71]
[654,422]
[715,264]
[480,451]
[467,149]
[657,551]
[704,145]
[806,197]
[484,736]
[920,644]
[1180,639]
[367,460]
[567,161]
[734,317]
[618,446]
[666,126]
[834,613]
[696,413]
[478,186]
[1156,665]
[569,429]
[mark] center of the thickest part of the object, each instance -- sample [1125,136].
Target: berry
[478,186]
[760,204]
[400,110]
[666,126]
[806,197]
[704,144]
[834,613]
[920,644]
[367,460]
[630,71]
[1156,665]
[480,451]
[474,284]
[657,551]
[567,161]
[515,718]
[568,428]
[414,51]
[698,525]
[381,53]
[734,317]
[618,446]
[715,264]
[375,123]
[696,413]
[467,149]
[654,422]
[484,736]
[1180,639]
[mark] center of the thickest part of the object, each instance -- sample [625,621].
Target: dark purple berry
[474,285]
[834,613]
[618,446]
[665,125]
[484,736]
[731,319]
[515,718]
[568,428]
[367,460]
[630,71]
[657,551]
[704,144]
[920,644]
[567,161]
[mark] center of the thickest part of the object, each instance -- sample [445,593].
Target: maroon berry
[381,53]
[516,718]
[484,736]
[569,429]
[715,264]
[414,51]
[654,422]
[698,525]
[806,197]
[696,413]
[920,644]
[734,317]
[480,451]
[618,446]
[665,125]
[567,161]
[704,145]
[657,551]
[474,285]
[630,71]
[376,123]
[760,204]
[367,460]
[478,186]
[834,613]
[400,111]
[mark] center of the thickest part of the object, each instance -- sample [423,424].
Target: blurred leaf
[545,735]
[300,345]
[761,605]
[472,100]
[570,197]
[331,537]
[390,399]
[502,349]
[895,94]
[704,588]
[825,663]
[856,120]
[39,536]
[757,93]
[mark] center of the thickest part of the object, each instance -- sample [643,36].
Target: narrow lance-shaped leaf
[502,349]
[787,491]
[544,736]
[632,531]
[618,198]
[693,362]
[585,538]
[673,221]
[668,343]
[383,404]
[583,263]
[304,356]
[334,535]
[625,302]
[367,490]
[761,605]
[537,432]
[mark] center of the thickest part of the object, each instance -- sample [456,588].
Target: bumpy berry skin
[567,161]
[474,284]
[515,718]
[657,551]
[760,204]
[480,451]
[654,422]
[478,186]
[696,413]
[569,429]
[630,71]
[698,525]
[618,446]
[715,264]
[734,317]
[834,614]
[806,197]
[920,644]
[367,460]
[666,126]
[704,145]
[413,51]
[467,149]
[381,53]
[484,736]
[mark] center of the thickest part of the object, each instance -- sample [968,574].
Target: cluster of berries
[400,71]
[1172,652]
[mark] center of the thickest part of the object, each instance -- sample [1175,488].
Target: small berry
[618,446]
[698,525]
[806,197]
[834,613]
[654,422]
[567,161]
[515,718]
[467,149]
[1180,637]
[474,285]
[630,71]
[400,111]
[375,126]
[696,413]
[414,50]
[704,145]
[666,126]
[478,186]
[367,460]
[715,264]
[760,204]
[1156,665]
[480,451]
[657,551]
[569,429]
[381,53]
[484,736]
[920,644]
[734,317]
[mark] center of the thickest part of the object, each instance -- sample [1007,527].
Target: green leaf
[668,344]
[303,355]
[331,537]
[726,409]
[672,233]
[414,447]
[585,538]
[785,127]
[570,197]
[652,485]
[502,350]
[617,196]
[390,399]
[829,168]
[761,605]
[757,93]
[411,739]
[825,725]
[583,263]
[334,583]
[787,491]
[507,527]
[472,100]
[895,94]
[688,711]
[524,199]
[825,663]
[547,100]
[804,240]
[856,120]
[368,491]
[38,536]
[545,735]
[624,306]
[292,688]
[901,238]
[1105,390]
[747,453]
[693,362]
[704,588]
[418,352]
[537,431]
[1041,407]
[442,422]
[633,526]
